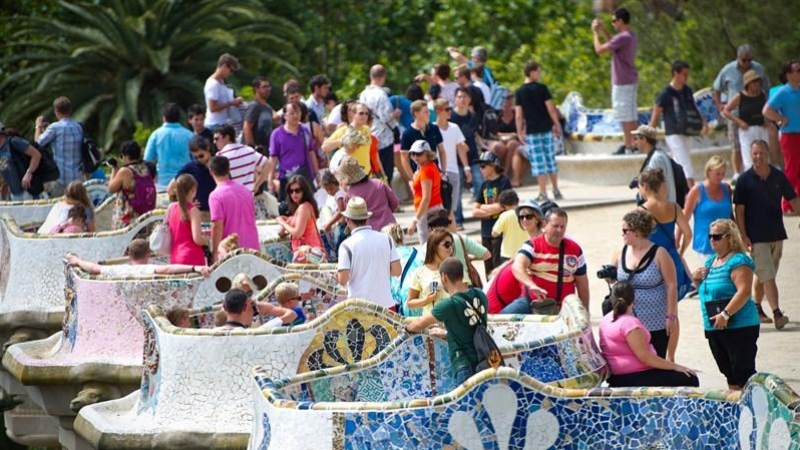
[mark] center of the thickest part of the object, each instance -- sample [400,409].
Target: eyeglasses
[716,237]
[448,109]
[526,217]
[627,230]
[362,113]
[447,244]
[294,191]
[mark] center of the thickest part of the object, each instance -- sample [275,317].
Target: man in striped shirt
[248,167]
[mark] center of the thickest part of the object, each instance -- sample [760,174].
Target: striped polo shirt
[244,161]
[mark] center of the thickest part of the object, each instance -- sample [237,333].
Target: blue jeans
[519,306]
[477,181]
[462,374]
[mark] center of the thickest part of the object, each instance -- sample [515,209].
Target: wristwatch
[725,314]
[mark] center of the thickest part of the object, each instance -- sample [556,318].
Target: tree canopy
[120,60]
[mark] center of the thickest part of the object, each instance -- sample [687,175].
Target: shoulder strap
[647,160]
[408,265]
[464,248]
[560,282]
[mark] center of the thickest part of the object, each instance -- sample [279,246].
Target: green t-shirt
[455,315]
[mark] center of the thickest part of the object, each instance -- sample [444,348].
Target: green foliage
[119,61]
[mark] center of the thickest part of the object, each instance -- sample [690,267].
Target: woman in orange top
[427,187]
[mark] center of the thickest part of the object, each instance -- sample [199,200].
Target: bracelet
[672,317]
[725,314]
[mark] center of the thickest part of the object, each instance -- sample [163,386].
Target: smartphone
[434,286]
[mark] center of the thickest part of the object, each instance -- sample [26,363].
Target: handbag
[715,307]
[161,238]
[549,306]
[474,276]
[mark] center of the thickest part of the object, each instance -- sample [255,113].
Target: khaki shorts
[767,258]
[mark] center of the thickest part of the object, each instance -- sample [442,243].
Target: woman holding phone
[425,287]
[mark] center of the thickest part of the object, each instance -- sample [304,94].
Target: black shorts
[654,377]
[735,351]
[659,341]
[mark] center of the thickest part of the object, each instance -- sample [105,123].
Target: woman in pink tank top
[184,225]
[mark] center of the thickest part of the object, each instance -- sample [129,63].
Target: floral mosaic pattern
[150,375]
[504,410]
[70,324]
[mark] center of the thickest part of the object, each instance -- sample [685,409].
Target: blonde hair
[241,280]
[394,231]
[286,291]
[714,163]
[228,244]
[728,227]
[183,185]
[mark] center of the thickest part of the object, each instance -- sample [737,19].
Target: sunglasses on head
[716,237]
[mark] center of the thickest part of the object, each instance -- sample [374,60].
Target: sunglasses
[626,230]
[526,217]
[294,191]
[447,244]
[716,237]
[362,113]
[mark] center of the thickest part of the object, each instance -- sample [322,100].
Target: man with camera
[552,266]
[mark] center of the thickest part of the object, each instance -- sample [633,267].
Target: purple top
[380,199]
[623,58]
[290,149]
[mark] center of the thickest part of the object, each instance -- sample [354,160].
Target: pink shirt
[380,199]
[310,234]
[233,204]
[614,345]
[184,250]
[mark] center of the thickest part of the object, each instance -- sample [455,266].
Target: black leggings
[735,351]
[654,377]
[659,341]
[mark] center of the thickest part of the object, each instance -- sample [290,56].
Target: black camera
[607,272]
[111,162]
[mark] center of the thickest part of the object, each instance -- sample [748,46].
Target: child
[76,222]
[288,296]
[507,227]
[179,316]
[487,208]
[197,117]
[332,228]
[227,245]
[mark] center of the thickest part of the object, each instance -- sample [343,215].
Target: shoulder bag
[474,276]
[161,237]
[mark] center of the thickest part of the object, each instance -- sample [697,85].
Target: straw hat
[354,138]
[350,171]
[357,209]
[750,76]
[646,131]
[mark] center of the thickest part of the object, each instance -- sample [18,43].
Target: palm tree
[119,61]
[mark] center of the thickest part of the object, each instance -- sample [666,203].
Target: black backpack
[47,170]
[91,156]
[678,176]
[485,348]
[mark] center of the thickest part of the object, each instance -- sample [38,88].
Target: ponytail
[622,296]
[183,185]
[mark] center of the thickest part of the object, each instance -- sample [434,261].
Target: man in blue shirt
[65,139]
[784,109]
[168,146]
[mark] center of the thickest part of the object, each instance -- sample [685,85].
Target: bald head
[377,72]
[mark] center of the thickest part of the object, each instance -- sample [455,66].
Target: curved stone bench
[33,212]
[596,131]
[195,390]
[32,281]
[505,409]
[97,355]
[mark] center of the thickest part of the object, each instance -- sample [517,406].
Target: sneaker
[621,150]
[557,194]
[762,315]
[542,197]
[781,321]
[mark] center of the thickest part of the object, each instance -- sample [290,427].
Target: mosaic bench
[32,280]
[97,355]
[33,212]
[210,405]
[596,131]
[506,410]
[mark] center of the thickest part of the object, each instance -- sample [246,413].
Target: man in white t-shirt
[248,167]
[367,258]
[455,147]
[139,256]
[219,97]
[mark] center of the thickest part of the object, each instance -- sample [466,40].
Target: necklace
[720,258]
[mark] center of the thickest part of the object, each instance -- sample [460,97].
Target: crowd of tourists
[331,166]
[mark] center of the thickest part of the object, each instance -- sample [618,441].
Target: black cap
[488,158]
